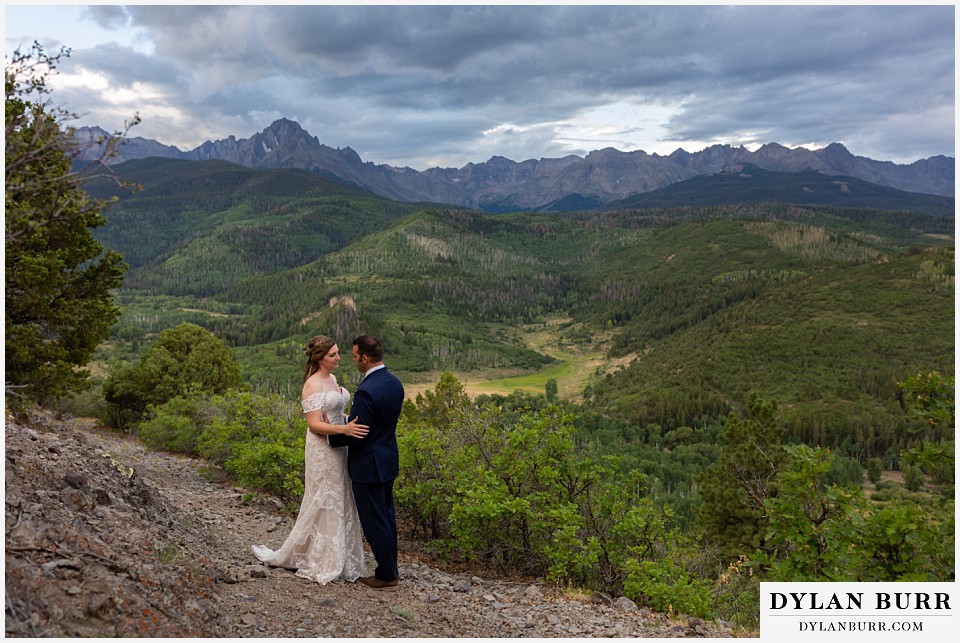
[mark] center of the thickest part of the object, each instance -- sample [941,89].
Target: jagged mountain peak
[837,147]
[285,122]
[284,129]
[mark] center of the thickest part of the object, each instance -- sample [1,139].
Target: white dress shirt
[375,368]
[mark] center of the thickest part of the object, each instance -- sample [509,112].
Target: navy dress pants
[379,521]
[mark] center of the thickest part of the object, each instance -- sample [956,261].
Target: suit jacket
[377,403]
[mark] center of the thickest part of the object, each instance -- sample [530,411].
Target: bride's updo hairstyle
[317,348]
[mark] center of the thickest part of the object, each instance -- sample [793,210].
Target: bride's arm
[317,423]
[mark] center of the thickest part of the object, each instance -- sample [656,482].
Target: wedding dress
[326,541]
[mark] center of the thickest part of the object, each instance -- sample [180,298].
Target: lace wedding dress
[326,541]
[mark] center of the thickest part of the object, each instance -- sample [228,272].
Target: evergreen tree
[183,361]
[874,470]
[734,490]
[551,390]
[58,284]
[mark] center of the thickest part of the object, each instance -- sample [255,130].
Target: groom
[374,461]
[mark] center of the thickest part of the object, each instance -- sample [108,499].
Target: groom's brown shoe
[381,585]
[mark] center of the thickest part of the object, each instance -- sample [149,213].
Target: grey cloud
[434,78]
[124,66]
[108,16]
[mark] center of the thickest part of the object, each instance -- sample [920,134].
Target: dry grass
[576,367]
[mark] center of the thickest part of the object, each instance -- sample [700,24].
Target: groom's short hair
[370,346]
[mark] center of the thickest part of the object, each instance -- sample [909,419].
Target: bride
[326,541]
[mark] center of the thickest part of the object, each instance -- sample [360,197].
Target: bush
[843,472]
[176,425]
[427,479]
[184,361]
[258,439]
[913,477]
[242,418]
[88,403]
[894,537]
[423,491]
[272,467]
[511,488]
[931,398]
[664,586]
[517,490]
[812,525]
[737,594]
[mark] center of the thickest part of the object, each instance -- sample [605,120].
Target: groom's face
[362,361]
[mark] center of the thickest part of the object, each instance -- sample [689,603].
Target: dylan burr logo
[919,611]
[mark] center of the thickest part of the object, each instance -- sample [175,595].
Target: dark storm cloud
[120,65]
[427,38]
[407,84]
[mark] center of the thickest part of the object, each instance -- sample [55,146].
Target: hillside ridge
[749,183]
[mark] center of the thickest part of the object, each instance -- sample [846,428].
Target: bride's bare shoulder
[310,387]
[316,384]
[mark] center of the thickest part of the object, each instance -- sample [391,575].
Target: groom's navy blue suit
[374,462]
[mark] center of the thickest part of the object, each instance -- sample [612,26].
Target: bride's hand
[354,430]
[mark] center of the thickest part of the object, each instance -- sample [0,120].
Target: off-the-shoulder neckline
[339,392]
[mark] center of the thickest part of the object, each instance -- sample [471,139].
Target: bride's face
[332,359]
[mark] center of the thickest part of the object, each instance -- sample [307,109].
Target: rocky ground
[106,538]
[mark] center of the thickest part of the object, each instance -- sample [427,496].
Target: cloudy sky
[442,86]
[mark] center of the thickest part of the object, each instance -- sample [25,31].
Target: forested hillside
[199,227]
[818,319]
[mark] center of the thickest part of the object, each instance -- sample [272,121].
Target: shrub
[737,594]
[812,525]
[511,488]
[426,484]
[843,472]
[664,586]
[515,490]
[258,439]
[175,425]
[243,418]
[912,477]
[185,360]
[272,467]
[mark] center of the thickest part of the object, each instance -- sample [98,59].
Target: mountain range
[502,185]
